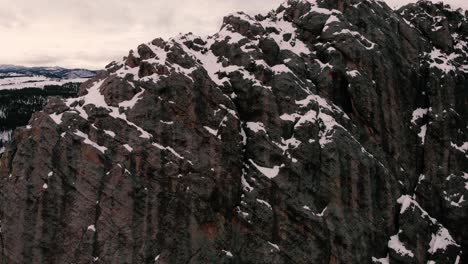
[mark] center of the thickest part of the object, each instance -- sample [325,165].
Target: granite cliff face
[329,131]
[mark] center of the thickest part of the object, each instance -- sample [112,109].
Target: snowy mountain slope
[323,132]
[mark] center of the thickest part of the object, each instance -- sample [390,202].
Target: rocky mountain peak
[323,132]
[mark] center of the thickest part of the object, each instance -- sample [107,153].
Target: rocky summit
[328,131]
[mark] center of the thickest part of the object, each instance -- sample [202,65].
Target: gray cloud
[10,20]
[40,60]
[90,33]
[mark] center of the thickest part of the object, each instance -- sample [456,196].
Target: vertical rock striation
[329,131]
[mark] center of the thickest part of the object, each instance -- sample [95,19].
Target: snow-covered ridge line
[94,97]
[209,61]
[19,77]
[213,65]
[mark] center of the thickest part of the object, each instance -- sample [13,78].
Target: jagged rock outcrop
[323,132]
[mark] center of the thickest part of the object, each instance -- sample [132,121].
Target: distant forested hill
[17,106]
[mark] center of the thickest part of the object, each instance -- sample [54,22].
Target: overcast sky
[91,33]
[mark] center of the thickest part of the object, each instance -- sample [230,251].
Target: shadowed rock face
[329,132]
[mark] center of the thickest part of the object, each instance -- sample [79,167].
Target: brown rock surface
[342,142]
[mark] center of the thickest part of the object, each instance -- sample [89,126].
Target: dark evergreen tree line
[17,106]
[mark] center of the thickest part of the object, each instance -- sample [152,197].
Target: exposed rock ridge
[323,132]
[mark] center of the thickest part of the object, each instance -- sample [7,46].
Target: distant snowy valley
[19,77]
[25,90]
